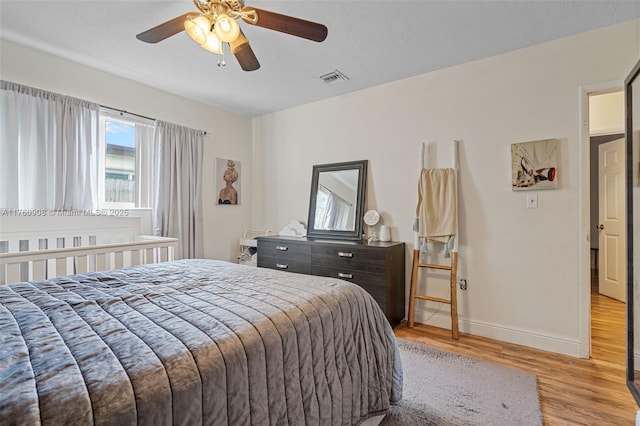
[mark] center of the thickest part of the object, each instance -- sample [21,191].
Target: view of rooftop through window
[120,162]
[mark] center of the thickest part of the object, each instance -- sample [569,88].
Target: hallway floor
[608,336]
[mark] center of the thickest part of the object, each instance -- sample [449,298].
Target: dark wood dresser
[377,267]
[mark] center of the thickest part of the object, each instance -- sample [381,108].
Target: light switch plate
[532,201]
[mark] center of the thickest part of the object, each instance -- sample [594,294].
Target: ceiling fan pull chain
[222,62]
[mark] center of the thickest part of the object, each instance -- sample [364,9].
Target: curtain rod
[121,111]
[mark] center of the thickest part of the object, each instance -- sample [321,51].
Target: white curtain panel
[145,156]
[178,192]
[48,150]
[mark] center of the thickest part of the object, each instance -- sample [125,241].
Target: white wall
[522,265]
[228,135]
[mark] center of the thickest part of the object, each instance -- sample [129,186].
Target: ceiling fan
[217,23]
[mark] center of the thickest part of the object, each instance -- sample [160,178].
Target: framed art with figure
[227,179]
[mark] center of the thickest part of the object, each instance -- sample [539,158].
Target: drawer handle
[345,254]
[281,266]
[282,248]
[343,275]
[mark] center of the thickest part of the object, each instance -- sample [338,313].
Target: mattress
[194,342]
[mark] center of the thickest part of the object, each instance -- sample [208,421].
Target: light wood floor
[572,391]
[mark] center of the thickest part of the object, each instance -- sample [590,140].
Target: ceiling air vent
[333,77]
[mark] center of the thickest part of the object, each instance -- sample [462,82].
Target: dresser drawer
[350,257]
[284,265]
[374,284]
[285,255]
[285,249]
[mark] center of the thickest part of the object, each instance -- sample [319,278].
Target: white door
[612,220]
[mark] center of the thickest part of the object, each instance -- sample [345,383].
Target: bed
[194,342]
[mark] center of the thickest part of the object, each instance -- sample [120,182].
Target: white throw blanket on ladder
[437,209]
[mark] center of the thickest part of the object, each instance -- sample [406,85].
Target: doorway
[606,140]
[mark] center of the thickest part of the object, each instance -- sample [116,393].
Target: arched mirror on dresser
[632,134]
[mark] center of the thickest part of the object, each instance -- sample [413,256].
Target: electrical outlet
[462,283]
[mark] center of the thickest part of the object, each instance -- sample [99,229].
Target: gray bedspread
[194,342]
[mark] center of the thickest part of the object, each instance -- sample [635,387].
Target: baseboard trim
[547,342]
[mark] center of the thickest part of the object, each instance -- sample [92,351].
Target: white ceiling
[372,42]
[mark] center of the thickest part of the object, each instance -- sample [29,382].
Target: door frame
[584,245]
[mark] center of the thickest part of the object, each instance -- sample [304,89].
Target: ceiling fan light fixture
[213,44]
[218,22]
[198,27]
[226,28]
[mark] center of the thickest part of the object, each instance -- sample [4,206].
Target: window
[120,162]
[120,172]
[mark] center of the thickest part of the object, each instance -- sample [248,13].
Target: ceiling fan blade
[286,24]
[244,53]
[165,30]
[246,58]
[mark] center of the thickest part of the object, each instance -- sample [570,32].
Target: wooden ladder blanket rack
[453,300]
[452,268]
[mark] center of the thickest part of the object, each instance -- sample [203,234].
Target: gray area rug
[446,389]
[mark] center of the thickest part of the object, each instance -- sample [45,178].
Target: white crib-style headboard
[46,246]
[23,233]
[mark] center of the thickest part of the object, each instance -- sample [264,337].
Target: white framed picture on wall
[227,180]
[534,165]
